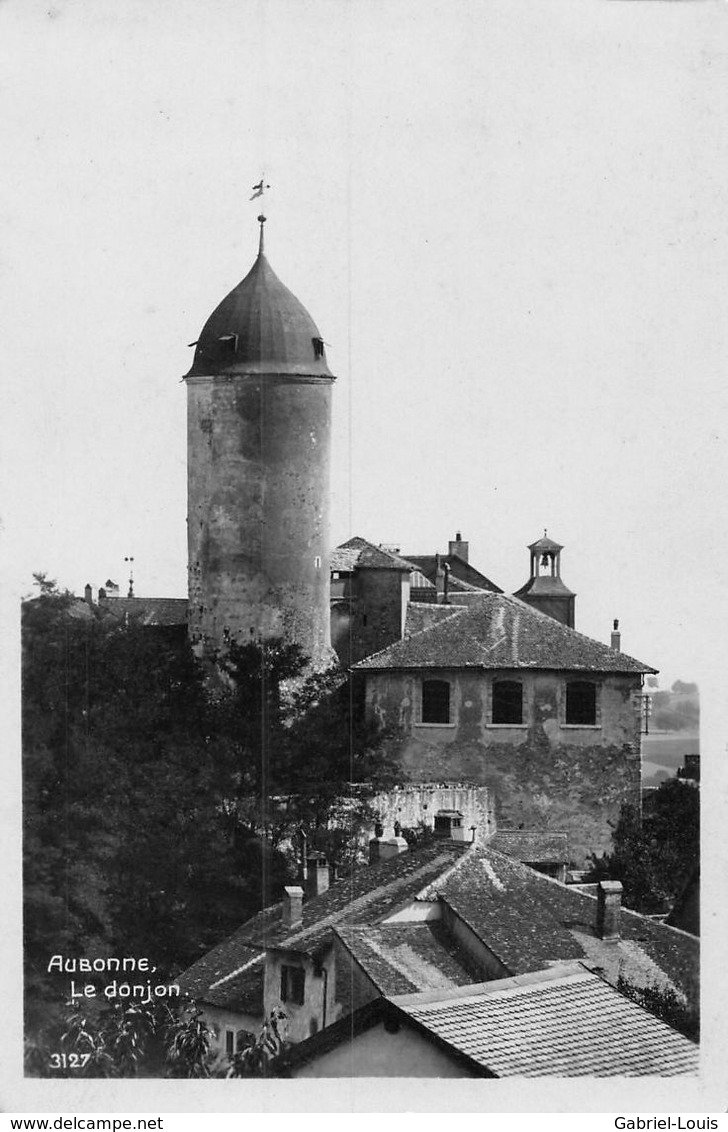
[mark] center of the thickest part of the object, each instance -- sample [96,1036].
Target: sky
[507,219]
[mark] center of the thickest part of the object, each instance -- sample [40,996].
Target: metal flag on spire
[259,189]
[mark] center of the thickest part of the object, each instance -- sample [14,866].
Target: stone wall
[417,802]
[540,774]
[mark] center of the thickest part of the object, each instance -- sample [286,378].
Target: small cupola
[544,589]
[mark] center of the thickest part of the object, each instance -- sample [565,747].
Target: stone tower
[544,590]
[258,451]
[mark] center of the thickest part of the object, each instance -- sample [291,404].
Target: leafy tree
[160,793]
[655,853]
[664,1003]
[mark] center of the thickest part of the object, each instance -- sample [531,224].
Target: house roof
[545,586]
[528,920]
[499,631]
[259,327]
[532,846]
[228,973]
[555,1023]
[459,569]
[562,1022]
[545,543]
[147,610]
[356,553]
[424,614]
[400,958]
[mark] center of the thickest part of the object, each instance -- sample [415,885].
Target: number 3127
[69,1060]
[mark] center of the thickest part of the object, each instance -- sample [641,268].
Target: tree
[162,795]
[130,847]
[655,853]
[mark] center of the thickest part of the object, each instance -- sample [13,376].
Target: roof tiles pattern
[499,631]
[147,610]
[404,957]
[558,1025]
[529,920]
[358,553]
[366,895]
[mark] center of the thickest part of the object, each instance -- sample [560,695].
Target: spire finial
[545,533]
[261,220]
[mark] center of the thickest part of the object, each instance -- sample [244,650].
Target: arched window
[581,702]
[507,701]
[435,701]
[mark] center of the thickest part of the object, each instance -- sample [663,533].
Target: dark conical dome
[260,327]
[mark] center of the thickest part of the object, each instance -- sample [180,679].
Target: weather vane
[131,576]
[259,189]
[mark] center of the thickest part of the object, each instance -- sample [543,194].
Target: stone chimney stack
[439,578]
[317,875]
[375,843]
[609,907]
[462,549]
[616,641]
[292,906]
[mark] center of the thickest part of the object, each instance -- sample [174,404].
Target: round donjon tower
[258,437]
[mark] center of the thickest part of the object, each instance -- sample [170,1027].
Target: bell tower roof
[260,328]
[544,589]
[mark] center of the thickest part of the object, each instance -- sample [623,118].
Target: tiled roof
[545,543]
[147,610]
[358,553]
[545,586]
[403,957]
[260,327]
[554,1024]
[366,895]
[425,614]
[459,569]
[537,846]
[529,920]
[499,631]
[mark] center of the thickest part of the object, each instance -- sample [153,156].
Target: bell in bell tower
[544,590]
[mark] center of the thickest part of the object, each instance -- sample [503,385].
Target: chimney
[439,578]
[317,875]
[462,549]
[87,594]
[609,906]
[616,641]
[292,906]
[375,843]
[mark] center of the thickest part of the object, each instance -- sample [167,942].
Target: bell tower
[544,590]
[258,453]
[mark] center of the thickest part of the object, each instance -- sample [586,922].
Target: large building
[497,698]
[259,411]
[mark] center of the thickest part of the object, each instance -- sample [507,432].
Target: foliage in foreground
[665,1004]
[162,795]
[133,1040]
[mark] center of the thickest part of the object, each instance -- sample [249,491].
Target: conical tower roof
[260,328]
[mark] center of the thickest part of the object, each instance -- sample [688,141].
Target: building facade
[545,720]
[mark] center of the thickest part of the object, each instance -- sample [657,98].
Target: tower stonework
[258,436]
